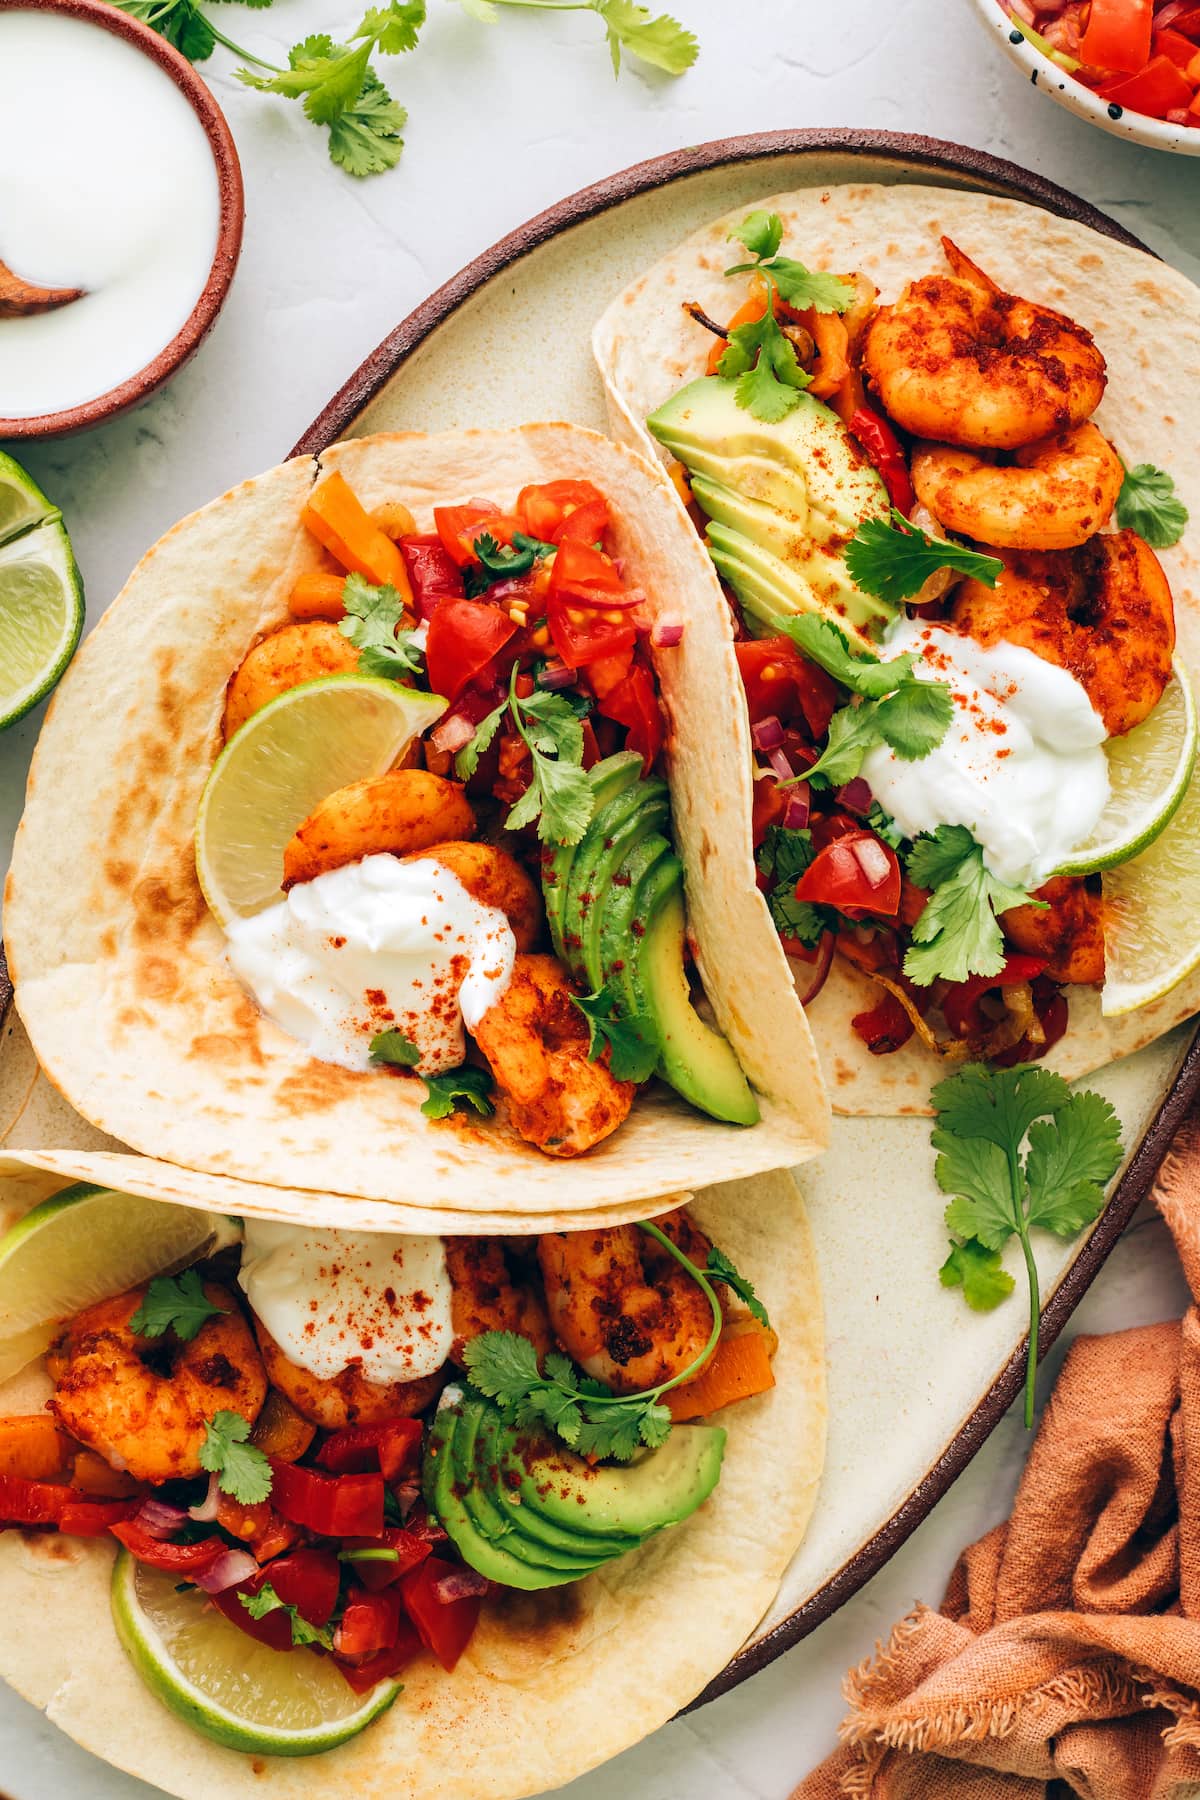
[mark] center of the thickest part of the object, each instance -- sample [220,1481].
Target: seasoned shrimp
[536,1041]
[1102,611]
[401,812]
[494,878]
[490,1292]
[1055,494]
[144,1404]
[622,1307]
[345,1399]
[289,656]
[957,360]
[1068,931]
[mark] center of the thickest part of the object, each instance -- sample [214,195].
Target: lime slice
[41,615]
[219,1680]
[1151,921]
[22,502]
[293,753]
[1149,770]
[81,1246]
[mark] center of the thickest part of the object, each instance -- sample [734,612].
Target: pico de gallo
[1140,56]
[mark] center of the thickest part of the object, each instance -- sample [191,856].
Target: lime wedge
[293,753]
[1149,770]
[81,1246]
[22,502]
[41,614]
[225,1684]
[1151,921]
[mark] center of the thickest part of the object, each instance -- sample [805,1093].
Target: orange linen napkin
[1066,1656]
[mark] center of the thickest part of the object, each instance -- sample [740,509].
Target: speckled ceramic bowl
[1048,78]
[200,321]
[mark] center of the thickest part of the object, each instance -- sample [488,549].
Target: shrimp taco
[941,450]
[383,1499]
[391,837]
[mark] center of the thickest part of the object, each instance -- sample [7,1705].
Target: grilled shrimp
[293,654]
[1055,494]
[1068,931]
[144,1404]
[957,360]
[621,1306]
[404,811]
[494,878]
[345,1399]
[536,1041]
[490,1292]
[1102,611]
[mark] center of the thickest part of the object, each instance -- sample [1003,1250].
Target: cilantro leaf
[365,140]
[393,28]
[977,1272]
[267,1601]
[761,232]
[1069,1161]
[893,560]
[1149,505]
[785,854]
[178,21]
[175,1302]
[975,1172]
[467,760]
[503,1365]
[395,1048]
[633,1040]
[957,934]
[661,42]
[458,1090]
[372,617]
[719,1268]
[240,1467]
[769,377]
[898,707]
[560,798]
[999,1105]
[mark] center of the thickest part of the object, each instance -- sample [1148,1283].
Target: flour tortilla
[120,972]
[553,1683]
[1146,320]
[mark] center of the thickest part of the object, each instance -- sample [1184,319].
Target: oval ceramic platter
[916,1382]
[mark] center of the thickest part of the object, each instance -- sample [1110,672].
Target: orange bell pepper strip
[318,595]
[280,1431]
[1118,35]
[337,519]
[828,333]
[740,1367]
[95,1478]
[32,1448]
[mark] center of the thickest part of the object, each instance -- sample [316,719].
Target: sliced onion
[206,1512]
[462,1584]
[667,632]
[855,796]
[230,1570]
[809,976]
[159,1519]
[557,675]
[452,734]
[797,807]
[873,859]
[767,734]
[407,1495]
[782,767]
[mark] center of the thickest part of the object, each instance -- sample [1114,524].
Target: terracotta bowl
[203,316]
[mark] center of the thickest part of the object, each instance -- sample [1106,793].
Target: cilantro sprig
[632,1039]
[396,1048]
[719,1268]
[957,934]
[501,562]
[458,1090]
[267,1601]
[984,1118]
[177,1303]
[374,616]
[1149,505]
[760,354]
[661,42]
[893,705]
[782,858]
[241,1468]
[559,798]
[891,559]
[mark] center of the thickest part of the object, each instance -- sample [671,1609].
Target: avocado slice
[784,496]
[440,1483]
[620,908]
[660,1488]
[477,1481]
[614,830]
[495,1437]
[608,778]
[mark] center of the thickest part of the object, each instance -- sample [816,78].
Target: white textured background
[503,123]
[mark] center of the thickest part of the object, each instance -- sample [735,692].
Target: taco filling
[955,638]
[348,1444]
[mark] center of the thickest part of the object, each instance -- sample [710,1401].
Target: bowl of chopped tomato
[1132,67]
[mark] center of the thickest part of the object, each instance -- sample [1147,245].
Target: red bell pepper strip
[432,575]
[94,1518]
[883,448]
[160,1553]
[961,1001]
[1118,34]
[887,1027]
[1154,91]
[30,1502]
[363,1676]
[392,1448]
[330,1505]
[857,873]
[1181,50]
[444,1626]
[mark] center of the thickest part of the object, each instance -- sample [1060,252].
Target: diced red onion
[159,1519]
[407,1495]
[557,675]
[667,632]
[206,1512]
[1167,15]
[452,734]
[809,976]
[1021,9]
[873,859]
[855,796]
[782,767]
[767,734]
[463,1584]
[229,1570]
[797,807]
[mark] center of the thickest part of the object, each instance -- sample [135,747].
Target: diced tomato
[391,1447]
[857,873]
[781,683]
[365,1675]
[464,636]
[444,1626]
[94,1518]
[1117,35]
[307,1579]
[608,672]
[585,589]
[159,1553]
[884,450]
[769,804]
[410,1547]
[1180,49]
[432,575]
[542,508]
[586,525]
[1154,91]
[961,1001]
[828,827]
[259,1525]
[331,1505]
[635,705]
[459,526]
[586,638]
[370,1622]
[582,573]
[885,1028]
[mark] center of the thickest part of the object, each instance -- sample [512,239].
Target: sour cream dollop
[1022,764]
[379,945]
[335,1298]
